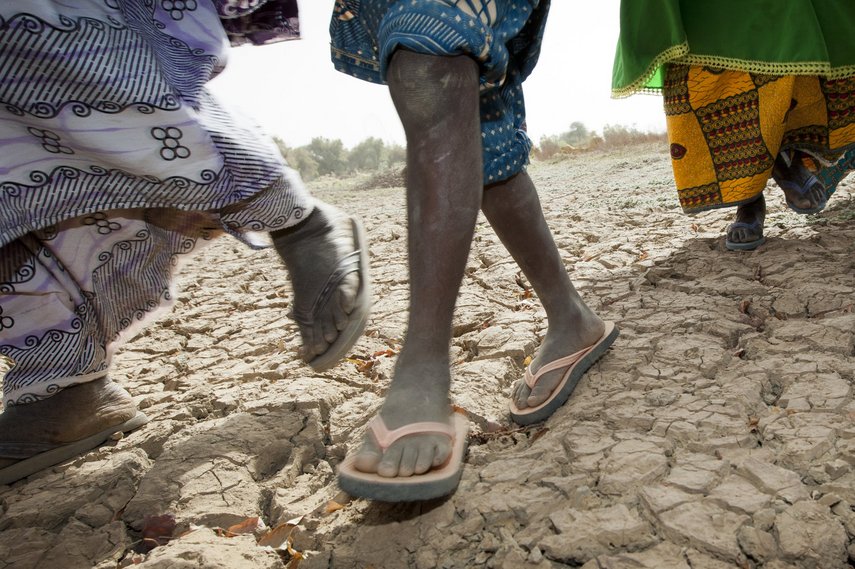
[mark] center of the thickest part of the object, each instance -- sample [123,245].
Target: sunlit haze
[292,89]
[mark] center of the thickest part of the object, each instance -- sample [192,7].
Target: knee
[426,88]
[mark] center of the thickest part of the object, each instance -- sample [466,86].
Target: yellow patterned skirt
[727,127]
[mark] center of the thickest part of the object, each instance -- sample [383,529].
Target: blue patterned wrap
[503,36]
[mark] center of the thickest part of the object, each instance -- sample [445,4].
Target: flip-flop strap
[348,264]
[386,438]
[566,361]
[743,225]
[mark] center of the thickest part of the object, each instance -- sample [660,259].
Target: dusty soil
[718,432]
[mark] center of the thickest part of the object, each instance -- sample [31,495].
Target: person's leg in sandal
[746,232]
[437,100]
[326,256]
[513,209]
[803,191]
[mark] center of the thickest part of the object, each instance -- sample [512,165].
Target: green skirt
[769,37]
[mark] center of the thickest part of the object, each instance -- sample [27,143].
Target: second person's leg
[513,209]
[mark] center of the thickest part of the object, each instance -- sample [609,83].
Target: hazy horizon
[294,92]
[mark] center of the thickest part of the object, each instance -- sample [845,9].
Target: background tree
[366,156]
[329,155]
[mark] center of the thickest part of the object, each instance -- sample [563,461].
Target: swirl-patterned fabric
[116,163]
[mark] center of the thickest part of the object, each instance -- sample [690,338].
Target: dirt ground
[718,431]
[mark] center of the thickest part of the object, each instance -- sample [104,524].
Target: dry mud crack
[717,433]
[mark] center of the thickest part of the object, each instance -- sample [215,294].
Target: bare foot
[322,252]
[74,413]
[419,392]
[560,341]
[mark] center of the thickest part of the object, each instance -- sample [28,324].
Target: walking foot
[38,435]
[327,258]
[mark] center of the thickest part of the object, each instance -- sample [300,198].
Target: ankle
[314,224]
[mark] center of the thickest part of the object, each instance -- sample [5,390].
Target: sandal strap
[743,225]
[566,361]
[386,438]
[348,264]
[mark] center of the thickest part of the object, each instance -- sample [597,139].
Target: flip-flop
[797,177]
[577,364]
[355,261]
[434,483]
[754,226]
[48,458]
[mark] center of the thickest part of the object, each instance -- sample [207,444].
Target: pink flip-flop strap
[386,438]
[566,361]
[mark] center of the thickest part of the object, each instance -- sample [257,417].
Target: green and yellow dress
[742,80]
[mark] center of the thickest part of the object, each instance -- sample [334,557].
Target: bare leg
[513,209]
[437,101]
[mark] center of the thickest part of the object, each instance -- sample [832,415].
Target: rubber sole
[434,483]
[358,318]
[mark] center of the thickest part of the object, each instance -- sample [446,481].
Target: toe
[368,458]
[340,317]
[330,329]
[318,344]
[348,291]
[409,458]
[441,451]
[391,461]
[521,393]
[428,456]
[543,389]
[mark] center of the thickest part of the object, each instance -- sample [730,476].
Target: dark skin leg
[437,101]
[797,172]
[513,209]
[748,213]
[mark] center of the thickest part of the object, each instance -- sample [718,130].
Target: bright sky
[292,90]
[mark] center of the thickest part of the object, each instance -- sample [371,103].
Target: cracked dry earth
[718,431]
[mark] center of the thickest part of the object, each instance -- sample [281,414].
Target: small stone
[764,519]
[705,526]
[837,468]
[808,533]
[758,544]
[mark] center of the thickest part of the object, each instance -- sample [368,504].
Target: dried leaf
[696,227]
[459,409]
[388,352]
[527,360]
[744,305]
[643,256]
[279,536]
[333,506]
[249,525]
[276,537]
